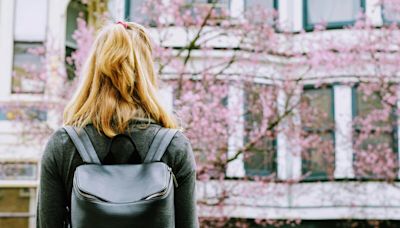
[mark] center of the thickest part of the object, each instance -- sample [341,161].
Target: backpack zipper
[173,177]
[163,192]
[90,197]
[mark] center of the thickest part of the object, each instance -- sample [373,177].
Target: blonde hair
[119,83]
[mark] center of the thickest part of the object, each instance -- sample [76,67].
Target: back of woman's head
[119,83]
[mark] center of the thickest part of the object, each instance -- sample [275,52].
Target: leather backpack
[123,195]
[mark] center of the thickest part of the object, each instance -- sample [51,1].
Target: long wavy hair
[119,83]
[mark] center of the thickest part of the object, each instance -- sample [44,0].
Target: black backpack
[124,195]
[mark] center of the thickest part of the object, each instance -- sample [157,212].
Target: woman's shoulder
[56,149]
[181,150]
[59,139]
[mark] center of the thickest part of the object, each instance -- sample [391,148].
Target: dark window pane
[332,11]
[75,10]
[221,7]
[368,104]
[317,118]
[319,159]
[319,103]
[374,136]
[260,159]
[28,74]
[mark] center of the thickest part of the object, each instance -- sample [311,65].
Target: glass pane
[317,108]
[28,13]
[75,10]
[367,104]
[330,11]
[264,4]
[260,158]
[374,134]
[28,75]
[318,160]
[316,112]
[391,10]
[15,202]
[376,140]
[221,9]
[375,157]
[135,11]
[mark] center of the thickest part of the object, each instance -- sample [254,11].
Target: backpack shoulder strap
[159,145]
[83,144]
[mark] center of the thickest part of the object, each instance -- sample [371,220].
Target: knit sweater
[60,159]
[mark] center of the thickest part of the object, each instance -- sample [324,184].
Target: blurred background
[291,106]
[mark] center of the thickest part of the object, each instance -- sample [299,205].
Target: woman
[117,95]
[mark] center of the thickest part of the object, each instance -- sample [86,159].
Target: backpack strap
[159,145]
[83,144]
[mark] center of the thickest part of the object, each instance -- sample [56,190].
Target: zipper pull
[173,177]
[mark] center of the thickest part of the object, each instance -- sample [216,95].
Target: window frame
[319,176]
[308,26]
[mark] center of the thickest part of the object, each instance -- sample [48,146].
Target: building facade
[316,198]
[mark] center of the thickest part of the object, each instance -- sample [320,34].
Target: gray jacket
[60,160]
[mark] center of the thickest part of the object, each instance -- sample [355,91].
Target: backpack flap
[122,183]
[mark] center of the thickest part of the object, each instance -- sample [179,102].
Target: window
[17,204]
[332,13]
[264,4]
[374,136]
[261,11]
[220,11]
[260,112]
[28,74]
[75,10]
[202,108]
[317,118]
[134,11]
[391,11]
